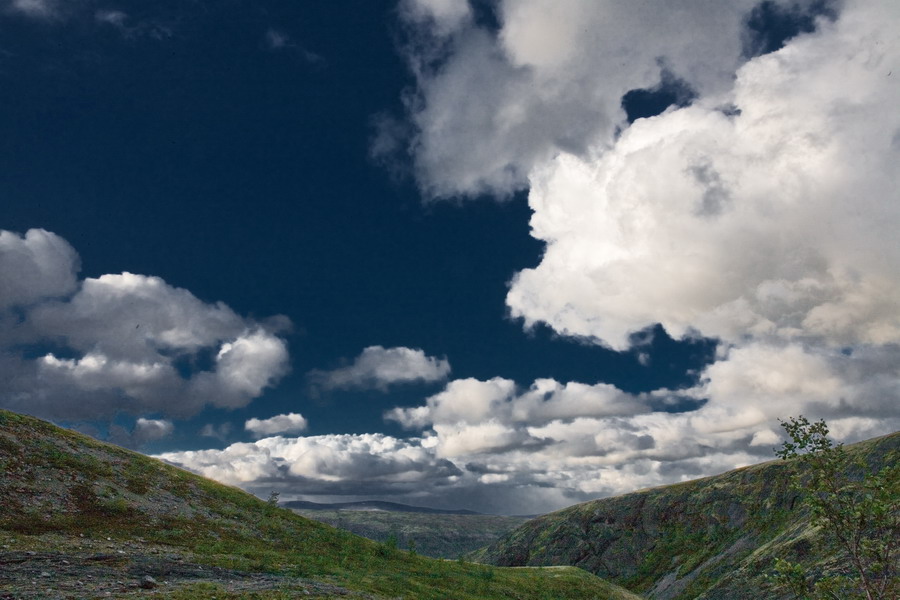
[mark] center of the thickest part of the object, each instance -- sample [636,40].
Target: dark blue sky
[242,173]
[596,173]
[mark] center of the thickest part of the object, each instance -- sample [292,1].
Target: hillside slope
[373,505]
[84,519]
[436,535]
[712,538]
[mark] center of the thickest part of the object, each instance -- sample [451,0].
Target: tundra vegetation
[84,519]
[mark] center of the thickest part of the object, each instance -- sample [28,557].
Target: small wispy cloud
[220,431]
[278,40]
[144,431]
[37,9]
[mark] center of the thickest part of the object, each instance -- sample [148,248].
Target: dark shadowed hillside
[712,538]
[437,535]
[84,519]
[373,505]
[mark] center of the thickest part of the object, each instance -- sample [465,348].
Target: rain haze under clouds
[759,210]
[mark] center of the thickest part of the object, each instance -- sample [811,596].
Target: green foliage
[391,542]
[856,509]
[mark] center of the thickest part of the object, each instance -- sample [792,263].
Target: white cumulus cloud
[91,348]
[287,423]
[489,106]
[34,267]
[777,222]
[378,367]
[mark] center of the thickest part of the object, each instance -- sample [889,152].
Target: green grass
[76,488]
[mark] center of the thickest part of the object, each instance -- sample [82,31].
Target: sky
[500,255]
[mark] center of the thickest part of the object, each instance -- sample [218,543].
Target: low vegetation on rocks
[716,538]
[84,519]
[435,535]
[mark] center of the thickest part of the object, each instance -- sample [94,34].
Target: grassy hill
[437,535]
[712,538]
[84,519]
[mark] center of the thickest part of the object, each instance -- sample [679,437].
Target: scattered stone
[45,573]
[31,553]
[148,583]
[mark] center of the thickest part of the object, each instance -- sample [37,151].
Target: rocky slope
[712,538]
[84,519]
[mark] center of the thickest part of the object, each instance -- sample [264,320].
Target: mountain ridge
[712,538]
[380,505]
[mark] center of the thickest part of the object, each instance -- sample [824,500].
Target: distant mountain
[374,505]
[84,519]
[714,538]
[440,535]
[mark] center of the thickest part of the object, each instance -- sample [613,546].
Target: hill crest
[712,538]
[73,506]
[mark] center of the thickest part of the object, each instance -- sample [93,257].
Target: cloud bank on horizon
[763,214]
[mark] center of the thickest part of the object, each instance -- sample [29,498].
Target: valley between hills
[85,519]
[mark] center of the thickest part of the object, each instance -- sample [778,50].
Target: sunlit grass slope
[59,487]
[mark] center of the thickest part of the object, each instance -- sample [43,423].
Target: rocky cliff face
[710,538]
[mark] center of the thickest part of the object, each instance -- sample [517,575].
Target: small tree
[857,512]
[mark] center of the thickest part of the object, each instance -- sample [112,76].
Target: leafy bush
[857,511]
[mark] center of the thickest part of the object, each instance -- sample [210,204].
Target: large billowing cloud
[489,107]
[764,215]
[378,367]
[90,349]
[777,222]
